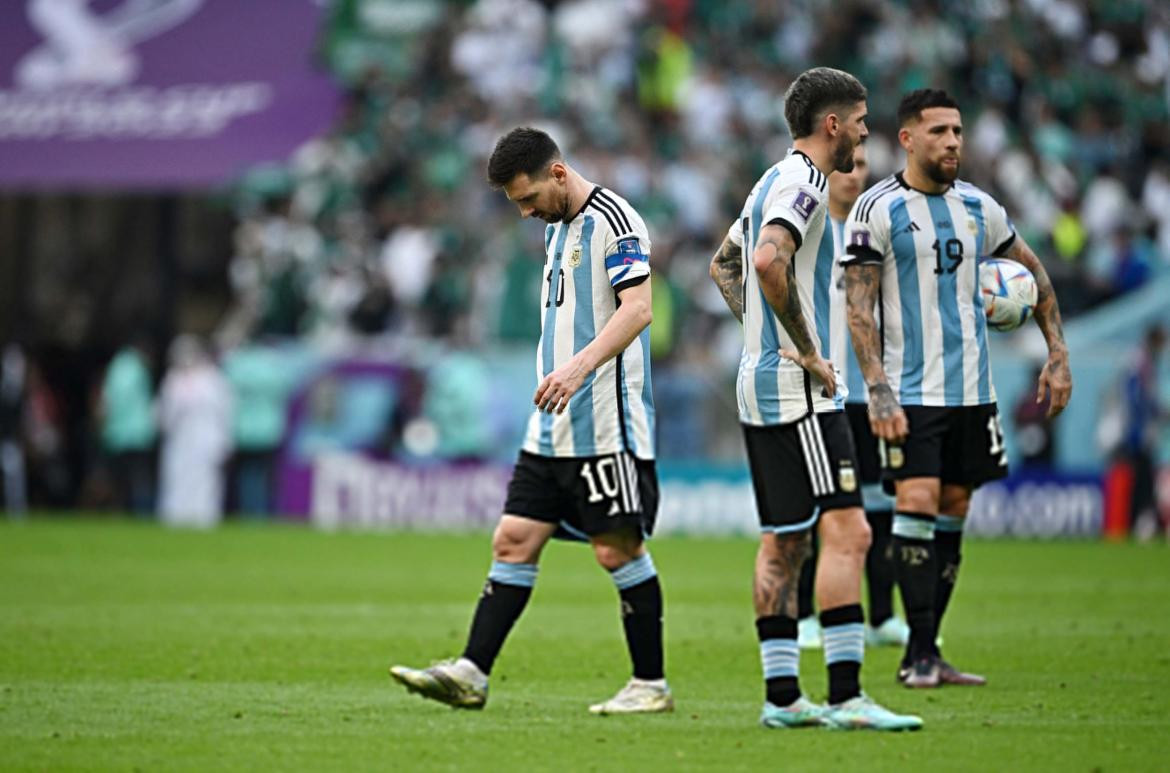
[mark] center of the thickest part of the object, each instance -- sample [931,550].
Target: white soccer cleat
[639,696]
[458,683]
[808,633]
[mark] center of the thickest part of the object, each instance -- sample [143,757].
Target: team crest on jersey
[896,457]
[804,204]
[575,256]
[971,225]
[846,477]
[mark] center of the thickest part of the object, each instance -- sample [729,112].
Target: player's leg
[916,567]
[808,628]
[530,520]
[948,539]
[845,538]
[786,510]
[617,512]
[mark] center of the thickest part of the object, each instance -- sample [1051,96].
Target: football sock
[844,636]
[504,596]
[948,539]
[781,659]
[915,568]
[637,584]
[879,567]
[804,588]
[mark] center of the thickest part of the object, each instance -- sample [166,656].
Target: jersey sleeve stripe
[792,229]
[625,221]
[871,199]
[613,226]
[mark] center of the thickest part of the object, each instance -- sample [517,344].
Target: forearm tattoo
[1047,311]
[727,273]
[777,577]
[786,302]
[861,290]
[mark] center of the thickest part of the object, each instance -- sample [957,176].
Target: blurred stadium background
[272,216]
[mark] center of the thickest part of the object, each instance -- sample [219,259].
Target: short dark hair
[523,149]
[912,105]
[816,92]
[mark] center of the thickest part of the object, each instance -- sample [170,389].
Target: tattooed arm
[727,274]
[772,259]
[886,417]
[1055,377]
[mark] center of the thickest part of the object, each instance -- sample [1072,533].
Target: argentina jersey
[602,250]
[769,388]
[934,332]
[833,320]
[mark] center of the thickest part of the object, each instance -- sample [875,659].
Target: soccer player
[882,628]
[913,243]
[587,464]
[800,451]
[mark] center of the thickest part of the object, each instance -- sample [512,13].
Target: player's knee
[917,499]
[954,503]
[787,547]
[846,532]
[513,545]
[615,554]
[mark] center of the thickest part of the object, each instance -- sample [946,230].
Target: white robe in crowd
[195,416]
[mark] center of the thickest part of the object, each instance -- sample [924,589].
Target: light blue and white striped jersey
[934,332]
[770,389]
[833,322]
[603,249]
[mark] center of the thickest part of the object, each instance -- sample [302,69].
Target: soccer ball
[1009,293]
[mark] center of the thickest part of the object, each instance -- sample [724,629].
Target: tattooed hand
[886,417]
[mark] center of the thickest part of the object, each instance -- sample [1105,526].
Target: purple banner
[156,93]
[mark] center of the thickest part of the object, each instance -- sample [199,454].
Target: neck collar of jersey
[588,199]
[902,181]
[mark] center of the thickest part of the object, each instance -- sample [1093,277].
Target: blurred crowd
[386,226]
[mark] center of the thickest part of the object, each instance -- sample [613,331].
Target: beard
[940,174]
[843,156]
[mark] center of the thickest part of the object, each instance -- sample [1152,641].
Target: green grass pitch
[125,646]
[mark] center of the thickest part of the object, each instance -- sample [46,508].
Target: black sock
[947,552]
[879,567]
[804,588]
[844,637]
[504,596]
[781,659]
[915,568]
[642,621]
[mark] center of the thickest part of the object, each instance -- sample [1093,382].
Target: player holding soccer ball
[913,241]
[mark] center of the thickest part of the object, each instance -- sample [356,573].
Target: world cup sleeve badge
[575,256]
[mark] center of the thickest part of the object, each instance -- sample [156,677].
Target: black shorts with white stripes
[802,469]
[585,496]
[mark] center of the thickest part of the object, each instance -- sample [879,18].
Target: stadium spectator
[128,429]
[195,418]
[12,396]
[1144,415]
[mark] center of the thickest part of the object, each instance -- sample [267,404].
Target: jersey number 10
[560,292]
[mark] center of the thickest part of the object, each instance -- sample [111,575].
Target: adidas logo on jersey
[910,228]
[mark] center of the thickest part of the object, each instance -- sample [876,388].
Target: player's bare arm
[772,258]
[886,417]
[631,318]
[1055,377]
[727,274]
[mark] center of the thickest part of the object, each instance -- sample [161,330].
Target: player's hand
[557,387]
[886,418]
[818,366]
[1055,379]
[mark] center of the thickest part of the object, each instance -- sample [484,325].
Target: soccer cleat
[861,713]
[922,674]
[458,683]
[800,713]
[808,633]
[639,696]
[892,633]
[948,674]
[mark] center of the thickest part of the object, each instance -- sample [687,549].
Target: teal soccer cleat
[861,713]
[800,713]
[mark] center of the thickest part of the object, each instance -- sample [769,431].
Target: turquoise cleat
[861,713]
[800,713]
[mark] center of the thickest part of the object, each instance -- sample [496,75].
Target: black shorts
[868,461]
[585,496]
[961,446]
[800,468]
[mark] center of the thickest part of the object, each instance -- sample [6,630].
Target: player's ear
[833,124]
[558,171]
[904,138]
